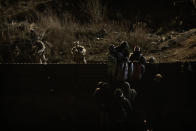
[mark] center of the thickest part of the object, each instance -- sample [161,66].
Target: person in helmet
[137,56]
[120,111]
[158,78]
[38,50]
[103,98]
[79,53]
[128,92]
[118,62]
[122,61]
[124,49]
[102,94]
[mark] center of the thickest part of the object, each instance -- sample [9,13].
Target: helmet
[159,76]
[102,85]
[152,59]
[137,49]
[76,43]
[124,48]
[118,93]
[124,44]
[126,89]
[126,85]
[112,48]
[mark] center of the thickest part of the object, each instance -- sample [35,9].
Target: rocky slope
[181,47]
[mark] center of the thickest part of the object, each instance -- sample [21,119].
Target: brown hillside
[181,48]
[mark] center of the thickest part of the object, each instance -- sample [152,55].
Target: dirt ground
[181,48]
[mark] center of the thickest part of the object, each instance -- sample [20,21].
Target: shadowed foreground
[60,96]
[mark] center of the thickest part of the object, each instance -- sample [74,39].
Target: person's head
[76,43]
[112,49]
[158,78]
[124,47]
[126,86]
[137,49]
[152,60]
[102,85]
[118,93]
[126,89]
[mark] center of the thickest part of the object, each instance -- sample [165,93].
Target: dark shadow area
[60,96]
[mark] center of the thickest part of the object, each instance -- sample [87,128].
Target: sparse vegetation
[60,31]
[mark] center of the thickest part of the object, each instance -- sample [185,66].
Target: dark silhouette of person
[118,59]
[137,62]
[120,111]
[115,108]
[103,96]
[137,56]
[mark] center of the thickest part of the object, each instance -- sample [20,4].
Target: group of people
[124,66]
[115,97]
[115,105]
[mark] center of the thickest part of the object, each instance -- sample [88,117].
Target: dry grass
[13,31]
[95,10]
[61,33]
